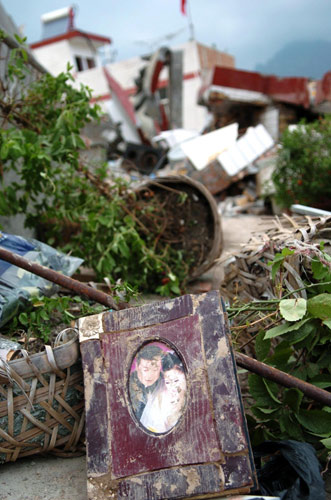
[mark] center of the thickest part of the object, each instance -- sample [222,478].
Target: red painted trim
[239,79]
[155,76]
[132,90]
[323,89]
[291,90]
[122,96]
[68,36]
[104,97]
[164,83]
[189,76]
[164,119]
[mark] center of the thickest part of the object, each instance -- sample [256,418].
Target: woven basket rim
[65,355]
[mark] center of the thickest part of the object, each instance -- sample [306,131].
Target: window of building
[90,62]
[79,63]
[83,63]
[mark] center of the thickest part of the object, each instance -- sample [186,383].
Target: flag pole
[186,11]
[190,21]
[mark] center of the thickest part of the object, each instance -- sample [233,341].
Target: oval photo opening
[157,387]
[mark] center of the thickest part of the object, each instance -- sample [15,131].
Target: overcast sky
[251,30]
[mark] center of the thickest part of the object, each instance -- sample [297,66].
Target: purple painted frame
[207,452]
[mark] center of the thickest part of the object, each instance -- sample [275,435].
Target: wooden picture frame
[202,447]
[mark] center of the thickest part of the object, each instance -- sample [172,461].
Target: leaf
[67,313]
[175,289]
[260,392]
[327,322]
[327,443]
[262,346]
[319,270]
[320,306]
[284,328]
[272,389]
[289,428]
[293,309]
[23,317]
[44,315]
[124,249]
[304,331]
[293,398]
[316,421]
[275,268]
[281,356]
[4,151]
[262,415]
[278,261]
[322,381]
[312,369]
[267,410]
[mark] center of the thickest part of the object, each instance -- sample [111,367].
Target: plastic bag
[292,473]
[17,285]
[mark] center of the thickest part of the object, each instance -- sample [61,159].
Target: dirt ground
[52,478]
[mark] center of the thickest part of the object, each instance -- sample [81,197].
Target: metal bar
[61,279]
[176,89]
[283,378]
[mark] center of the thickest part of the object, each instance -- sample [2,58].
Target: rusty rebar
[61,279]
[283,378]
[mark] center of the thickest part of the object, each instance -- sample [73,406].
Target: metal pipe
[283,378]
[61,279]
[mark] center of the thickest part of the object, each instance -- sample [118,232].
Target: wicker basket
[42,402]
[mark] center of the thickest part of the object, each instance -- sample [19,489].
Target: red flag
[183,7]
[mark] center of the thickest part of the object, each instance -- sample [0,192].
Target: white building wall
[194,116]
[269,117]
[54,57]
[125,72]
[84,48]
[191,57]
[95,79]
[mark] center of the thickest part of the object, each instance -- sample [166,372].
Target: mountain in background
[311,59]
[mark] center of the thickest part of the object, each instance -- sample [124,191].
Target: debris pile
[247,273]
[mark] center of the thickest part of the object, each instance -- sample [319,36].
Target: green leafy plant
[303,170]
[294,335]
[77,208]
[44,315]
